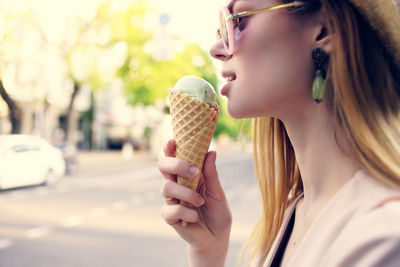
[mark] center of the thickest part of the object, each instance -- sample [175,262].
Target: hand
[209,223]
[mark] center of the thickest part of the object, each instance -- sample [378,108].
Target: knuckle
[180,211]
[169,214]
[186,214]
[228,219]
[165,187]
[192,216]
[195,216]
[164,213]
[160,164]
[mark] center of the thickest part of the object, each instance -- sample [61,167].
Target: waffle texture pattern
[193,124]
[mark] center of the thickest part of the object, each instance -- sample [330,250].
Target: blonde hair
[364,85]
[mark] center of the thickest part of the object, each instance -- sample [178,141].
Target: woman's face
[271,63]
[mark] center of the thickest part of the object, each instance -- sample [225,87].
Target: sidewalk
[100,161]
[113,156]
[112,161]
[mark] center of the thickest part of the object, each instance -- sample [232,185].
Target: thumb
[210,174]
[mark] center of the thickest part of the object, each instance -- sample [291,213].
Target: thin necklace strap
[383,202]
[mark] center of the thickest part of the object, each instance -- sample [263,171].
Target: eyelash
[239,23]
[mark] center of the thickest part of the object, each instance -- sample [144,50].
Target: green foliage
[147,79]
[127,26]
[231,127]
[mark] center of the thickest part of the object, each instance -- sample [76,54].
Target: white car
[28,160]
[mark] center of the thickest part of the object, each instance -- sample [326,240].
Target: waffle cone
[193,124]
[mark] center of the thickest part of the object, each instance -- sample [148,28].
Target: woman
[322,80]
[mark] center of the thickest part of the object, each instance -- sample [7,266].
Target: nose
[219,52]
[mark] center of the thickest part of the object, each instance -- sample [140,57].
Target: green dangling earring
[319,87]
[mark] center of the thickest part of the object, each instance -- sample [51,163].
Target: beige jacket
[359,227]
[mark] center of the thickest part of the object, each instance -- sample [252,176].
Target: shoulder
[370,238]
[380,220]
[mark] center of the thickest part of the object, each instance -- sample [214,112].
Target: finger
[171,190]
[169,151]
[166,174]
[211,179]
[173,166]
[170,148]
[173,214]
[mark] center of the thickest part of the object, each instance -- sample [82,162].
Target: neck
[324,167]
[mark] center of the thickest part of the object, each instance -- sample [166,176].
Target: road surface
[108,214]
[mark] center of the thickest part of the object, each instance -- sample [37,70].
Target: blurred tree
[28,30]
[104,43]
[6,56]
[150,79]
[147,78]
[14,111]
[84,55]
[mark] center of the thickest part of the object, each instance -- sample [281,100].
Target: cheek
[274,69]
[274,52]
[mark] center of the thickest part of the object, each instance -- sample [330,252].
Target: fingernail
[193,171]
[200,202]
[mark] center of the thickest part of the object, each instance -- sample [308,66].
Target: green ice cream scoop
[197,88]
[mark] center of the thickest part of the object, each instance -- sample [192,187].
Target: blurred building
[117,123]
[45,116]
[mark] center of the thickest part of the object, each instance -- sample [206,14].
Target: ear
[323,38]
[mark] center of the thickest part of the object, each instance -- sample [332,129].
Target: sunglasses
[228,21]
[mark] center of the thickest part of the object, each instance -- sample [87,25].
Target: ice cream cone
[193,124]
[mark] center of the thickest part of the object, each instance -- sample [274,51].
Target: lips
[229,77]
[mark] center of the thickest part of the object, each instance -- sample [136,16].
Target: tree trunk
[68,117]
[14,111]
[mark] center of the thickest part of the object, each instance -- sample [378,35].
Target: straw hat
[384,18]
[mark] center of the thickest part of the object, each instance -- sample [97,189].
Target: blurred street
[108,214]
[84,91]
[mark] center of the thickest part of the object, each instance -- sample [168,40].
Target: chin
[233,112]
[235,116]
[237,113]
